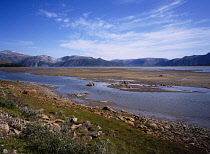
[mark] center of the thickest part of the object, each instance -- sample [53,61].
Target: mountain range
[8,56]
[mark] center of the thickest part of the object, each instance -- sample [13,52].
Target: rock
[87,138]
[57,129]
[88,124]
[44,117]
[130,123]
[125,82]
[16,126]
[166,127]
[79,95]
[86,93]
[83,127]
[73,127]
[73,120]
[103,101]
[17,132]
[153,126]
[108,108]
[4,128]
[90,84]
[130,119]
[95,133]
[54,124]
[30,92]
[5,151]
[98,127]
[53,112]
[59,121]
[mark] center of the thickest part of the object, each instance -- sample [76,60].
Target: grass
[123,138]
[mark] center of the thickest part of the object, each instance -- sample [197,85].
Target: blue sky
[110,29]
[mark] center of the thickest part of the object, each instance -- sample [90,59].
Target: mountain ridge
[74,60]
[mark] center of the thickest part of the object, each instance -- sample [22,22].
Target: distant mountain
[12,56]
[47,61]
[195,60]
[141,61]
[39,61]
[86,61]
[69,61]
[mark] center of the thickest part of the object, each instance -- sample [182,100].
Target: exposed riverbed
[188,106]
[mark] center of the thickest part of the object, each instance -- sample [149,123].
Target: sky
[108,29]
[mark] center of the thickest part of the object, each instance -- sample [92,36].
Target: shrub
[29,113]
[41,139]
[7,103]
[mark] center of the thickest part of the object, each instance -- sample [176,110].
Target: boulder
[73,120]
[108,108]
[125,82]
[30,92]
[4,128]
[90,84]
[57,129]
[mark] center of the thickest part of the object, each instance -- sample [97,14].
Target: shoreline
[187,135]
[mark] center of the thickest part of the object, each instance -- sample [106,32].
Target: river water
[190,108]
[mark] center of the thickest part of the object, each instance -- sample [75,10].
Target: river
[190,108]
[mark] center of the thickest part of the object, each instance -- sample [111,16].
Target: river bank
[192,137]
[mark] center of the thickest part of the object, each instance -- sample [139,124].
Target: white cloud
[58,19]
[169,6]
[90,24]
[66,20]
[18,43]
[156,33]
[169,42]
[86,14]
[48,14]
[203,21]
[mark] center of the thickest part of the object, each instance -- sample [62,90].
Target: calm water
[194,69]
[190,108]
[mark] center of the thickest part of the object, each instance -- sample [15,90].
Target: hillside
[195,60]
[141,61]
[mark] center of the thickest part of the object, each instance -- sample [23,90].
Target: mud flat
[152,78]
